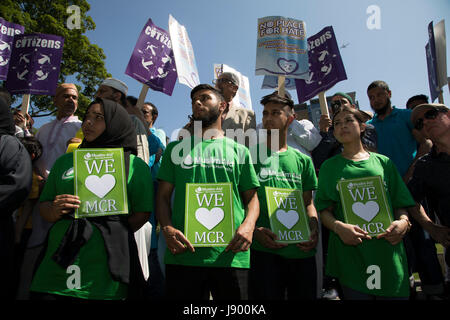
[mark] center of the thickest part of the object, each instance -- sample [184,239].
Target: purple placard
[35,63]
[326,67]
[430,51]
[152,61]
[7,32]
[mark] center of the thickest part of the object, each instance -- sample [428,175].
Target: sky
[226,32]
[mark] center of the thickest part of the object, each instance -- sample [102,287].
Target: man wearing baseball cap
[431,176]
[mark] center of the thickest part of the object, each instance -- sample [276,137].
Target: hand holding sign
[350,234]
[64,204]
[242,238]
[176,241]
[267,238]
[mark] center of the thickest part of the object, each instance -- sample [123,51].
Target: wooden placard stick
[323,104]
[281,85]
[25,105]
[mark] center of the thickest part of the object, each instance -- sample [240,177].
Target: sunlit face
[94,122]
[147,111]
[227,88]
[66,103]
[379,98]
[206,107]
[276,116]
[347,128]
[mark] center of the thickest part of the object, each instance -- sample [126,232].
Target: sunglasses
[430,114]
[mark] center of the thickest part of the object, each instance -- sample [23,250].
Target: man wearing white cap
[431,177]
[117,90]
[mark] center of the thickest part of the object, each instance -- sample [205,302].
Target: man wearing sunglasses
[431,177]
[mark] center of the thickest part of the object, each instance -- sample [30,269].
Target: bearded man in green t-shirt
[209,229]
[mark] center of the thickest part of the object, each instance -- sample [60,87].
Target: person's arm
[137,220]
[175,239]
[313,223]
[438,232]
[349,234]
[424,146]
[244,234]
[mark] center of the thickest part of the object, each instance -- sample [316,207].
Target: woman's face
[347,128]
[94,122]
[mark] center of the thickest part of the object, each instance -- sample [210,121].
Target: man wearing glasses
[234,117]
[431,177]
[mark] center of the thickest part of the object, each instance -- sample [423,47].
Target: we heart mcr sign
[100,182]
[209,219]
[287,215]
[365,204]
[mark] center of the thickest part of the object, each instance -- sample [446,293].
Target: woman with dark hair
[102,248]
[15,184]
[361,199]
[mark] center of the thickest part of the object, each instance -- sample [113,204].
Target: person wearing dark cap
[15,184]
[431,176]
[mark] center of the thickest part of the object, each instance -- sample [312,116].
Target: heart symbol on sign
[287,219]
[209,218]
[366,211]
[288,66]
[100,186]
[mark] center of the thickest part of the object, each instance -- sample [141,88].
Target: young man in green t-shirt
[286,234]
[209,229]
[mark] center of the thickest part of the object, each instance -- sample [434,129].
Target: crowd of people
[395,154]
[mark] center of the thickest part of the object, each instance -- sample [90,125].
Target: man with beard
[236,120]
[210,227]
[396,136]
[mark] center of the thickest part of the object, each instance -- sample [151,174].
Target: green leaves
[81,60]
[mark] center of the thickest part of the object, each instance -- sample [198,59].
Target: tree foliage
[80,59]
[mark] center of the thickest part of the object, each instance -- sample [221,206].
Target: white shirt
[54,136]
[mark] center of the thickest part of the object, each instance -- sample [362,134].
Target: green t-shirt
[95,278]
[291,170]
[375,266]
[208,161]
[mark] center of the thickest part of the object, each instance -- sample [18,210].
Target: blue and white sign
[282,48]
